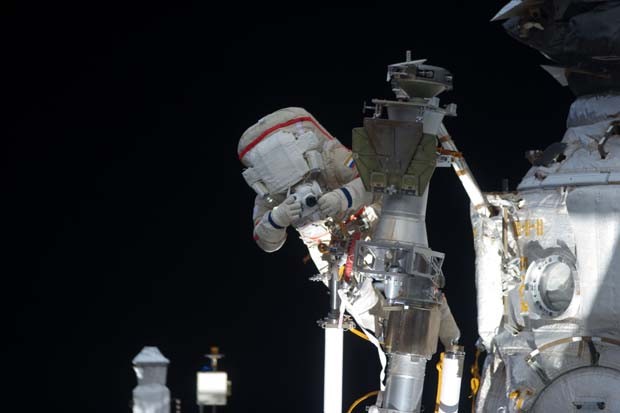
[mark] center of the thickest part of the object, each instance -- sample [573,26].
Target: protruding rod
[451,376]
[462,170]
[332,385]
[334,300]
[404,383]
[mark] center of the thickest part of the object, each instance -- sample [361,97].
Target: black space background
[125,200]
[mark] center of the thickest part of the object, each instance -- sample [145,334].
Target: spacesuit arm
[359,196]
[341,164]
[268,236]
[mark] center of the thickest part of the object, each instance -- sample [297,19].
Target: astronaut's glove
[284,214]
[332,203]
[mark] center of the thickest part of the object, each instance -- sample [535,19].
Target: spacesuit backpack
[282,155]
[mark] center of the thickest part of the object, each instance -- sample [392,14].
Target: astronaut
[302,175]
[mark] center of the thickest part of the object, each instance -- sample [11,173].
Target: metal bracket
[347,323]
[444,161]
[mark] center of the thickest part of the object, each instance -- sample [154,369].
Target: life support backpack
[282,149]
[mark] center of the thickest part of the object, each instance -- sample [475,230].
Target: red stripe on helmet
[282,125]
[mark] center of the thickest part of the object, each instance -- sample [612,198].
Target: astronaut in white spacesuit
[302,175]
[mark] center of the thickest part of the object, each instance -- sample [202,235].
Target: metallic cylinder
[451,376]
[315,161]
[403,219]
[405,112]
[332,384]
[404,383]
[430,117]
[413,331]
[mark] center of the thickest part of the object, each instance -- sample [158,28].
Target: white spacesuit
[302,175]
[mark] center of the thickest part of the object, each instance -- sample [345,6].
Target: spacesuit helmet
[281,150]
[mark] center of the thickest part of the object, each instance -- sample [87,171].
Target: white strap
[370,335]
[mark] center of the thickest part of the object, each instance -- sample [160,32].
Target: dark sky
[126,203]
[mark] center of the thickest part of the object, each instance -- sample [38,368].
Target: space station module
[548,259]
